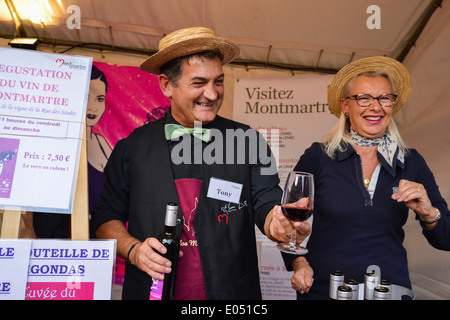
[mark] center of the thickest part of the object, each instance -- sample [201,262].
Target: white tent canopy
[280,39]
[319,34]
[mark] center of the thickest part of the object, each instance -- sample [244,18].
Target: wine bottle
[370,283]
[336,280]
[354,285]
[387,284]
[344,293]
[164,289]
[381,293]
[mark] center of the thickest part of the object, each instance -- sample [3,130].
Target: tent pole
[412,41]
[15,15]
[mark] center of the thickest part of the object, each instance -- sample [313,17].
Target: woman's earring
[346,114]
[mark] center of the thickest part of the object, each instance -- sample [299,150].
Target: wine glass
[297,204]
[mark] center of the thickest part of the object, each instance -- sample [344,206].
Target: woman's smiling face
[371,121]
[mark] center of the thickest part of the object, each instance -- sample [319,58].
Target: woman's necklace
[362,141]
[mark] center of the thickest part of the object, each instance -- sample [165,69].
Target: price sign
[43,100]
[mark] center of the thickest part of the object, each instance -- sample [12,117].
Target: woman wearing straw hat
[366,181]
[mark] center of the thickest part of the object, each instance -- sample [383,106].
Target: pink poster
[131,98]
[121,98]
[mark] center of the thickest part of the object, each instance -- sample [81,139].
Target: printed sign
[291,112]
[70,270]
[43,99]
[56,269]
[14,257]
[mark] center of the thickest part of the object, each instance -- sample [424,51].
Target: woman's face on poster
[96,102]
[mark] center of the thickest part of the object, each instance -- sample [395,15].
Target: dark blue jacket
[350,231]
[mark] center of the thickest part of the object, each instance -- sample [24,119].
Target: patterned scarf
[387,148]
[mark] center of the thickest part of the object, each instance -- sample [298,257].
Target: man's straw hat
[188,41]
[399,74]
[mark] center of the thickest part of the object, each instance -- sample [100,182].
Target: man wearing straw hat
[154,166]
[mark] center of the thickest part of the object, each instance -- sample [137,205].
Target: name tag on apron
[224,190]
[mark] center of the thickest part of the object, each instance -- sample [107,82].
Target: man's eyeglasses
[366,100]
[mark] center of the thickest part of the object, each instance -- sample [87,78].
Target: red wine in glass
[296,214]
[297,204]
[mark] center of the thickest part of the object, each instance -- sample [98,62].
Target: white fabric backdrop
[424,123]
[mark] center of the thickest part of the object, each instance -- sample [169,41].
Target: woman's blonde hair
[338,138]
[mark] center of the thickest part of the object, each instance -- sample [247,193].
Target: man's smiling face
[198,94]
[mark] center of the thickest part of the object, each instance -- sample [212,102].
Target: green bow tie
[174,131]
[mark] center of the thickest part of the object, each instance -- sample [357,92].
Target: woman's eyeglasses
[366,100]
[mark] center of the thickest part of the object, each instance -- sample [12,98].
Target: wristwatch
[438,216]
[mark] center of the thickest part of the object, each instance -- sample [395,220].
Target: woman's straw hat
[398,73]
[188,41]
